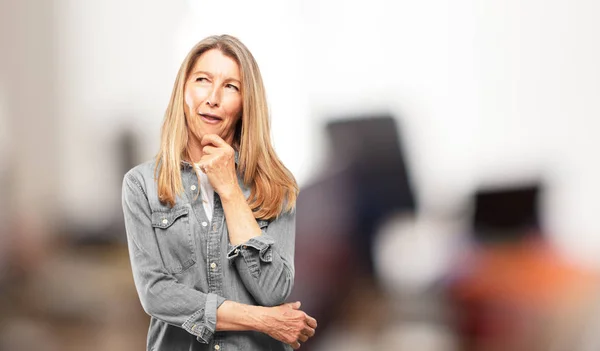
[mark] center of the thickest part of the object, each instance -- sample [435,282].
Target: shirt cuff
[203,323]
[261,243]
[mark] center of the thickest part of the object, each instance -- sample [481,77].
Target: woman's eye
[201,79]
[231,86]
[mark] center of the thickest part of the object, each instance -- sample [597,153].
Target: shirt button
[213,265]
[165,221]
[217,347]
[193,187]
[204,224]
[244,247]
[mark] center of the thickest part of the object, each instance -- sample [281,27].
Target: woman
[210,222]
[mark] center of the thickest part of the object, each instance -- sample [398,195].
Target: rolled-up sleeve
[266,262]
[160,293]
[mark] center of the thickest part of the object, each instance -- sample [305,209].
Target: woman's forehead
[214,62]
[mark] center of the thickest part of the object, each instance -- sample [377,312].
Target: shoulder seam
[134,180]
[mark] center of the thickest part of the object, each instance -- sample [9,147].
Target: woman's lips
[210,119]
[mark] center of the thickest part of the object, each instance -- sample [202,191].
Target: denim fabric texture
[184,266]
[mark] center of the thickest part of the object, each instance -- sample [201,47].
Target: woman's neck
[194,150]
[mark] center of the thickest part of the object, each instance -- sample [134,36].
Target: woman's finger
[308,331]
[213,139]
[209,150]
[206,162]
[295,345]
[311,322]
[202,166]
[302,338]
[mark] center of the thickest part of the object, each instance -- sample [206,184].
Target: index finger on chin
[213,139]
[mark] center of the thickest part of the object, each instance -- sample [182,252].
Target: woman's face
[213,98]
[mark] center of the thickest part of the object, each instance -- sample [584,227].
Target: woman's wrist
[258,318]
[234,316]
[254,318]
[233,193]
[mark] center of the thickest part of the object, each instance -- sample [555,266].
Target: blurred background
[446,153]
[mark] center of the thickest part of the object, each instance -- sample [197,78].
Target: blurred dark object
[505,215]
[127,151]
[337,217]
[112,232]
[512,290]
[370,148]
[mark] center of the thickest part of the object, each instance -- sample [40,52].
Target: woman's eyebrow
[228,79]
[201,72]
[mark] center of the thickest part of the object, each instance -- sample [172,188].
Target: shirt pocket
[174,237]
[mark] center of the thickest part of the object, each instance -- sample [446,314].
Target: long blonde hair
[273,187]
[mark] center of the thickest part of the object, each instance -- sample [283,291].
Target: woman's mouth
[209,118]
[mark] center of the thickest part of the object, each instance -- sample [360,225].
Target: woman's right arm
[161,295]
[200,314]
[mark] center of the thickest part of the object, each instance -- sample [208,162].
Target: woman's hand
[288,324]
[218,163]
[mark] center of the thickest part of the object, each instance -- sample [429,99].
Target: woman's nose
[213,99]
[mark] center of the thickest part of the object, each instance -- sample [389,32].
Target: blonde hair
[273,187]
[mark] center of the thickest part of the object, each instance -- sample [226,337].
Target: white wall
[29,109]
[115,73]
[487,91]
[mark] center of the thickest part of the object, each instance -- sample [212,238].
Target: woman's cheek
[189,99]
[193,97]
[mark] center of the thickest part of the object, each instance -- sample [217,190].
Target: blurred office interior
[445,150]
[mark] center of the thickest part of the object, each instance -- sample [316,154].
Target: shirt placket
[215,269]
[190,183]
[212,231]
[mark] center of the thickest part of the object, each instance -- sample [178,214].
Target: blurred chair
[512,290]
[337,217]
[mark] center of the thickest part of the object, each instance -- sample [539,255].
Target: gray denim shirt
[184,266]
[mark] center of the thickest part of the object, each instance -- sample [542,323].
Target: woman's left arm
[263,255]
